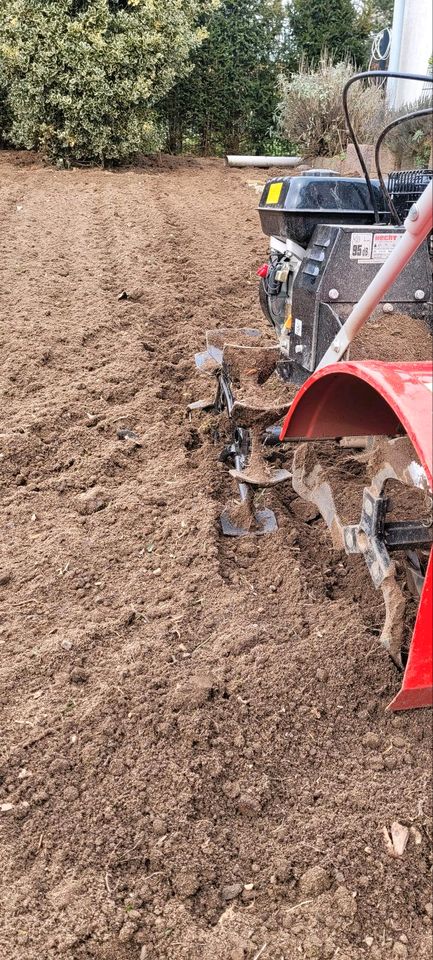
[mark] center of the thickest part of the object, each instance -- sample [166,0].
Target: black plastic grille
[406,188]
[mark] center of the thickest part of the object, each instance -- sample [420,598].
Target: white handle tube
[418,225]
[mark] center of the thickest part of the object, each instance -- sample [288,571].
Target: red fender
[374,398]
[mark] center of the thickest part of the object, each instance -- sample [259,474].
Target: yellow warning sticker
[274,193]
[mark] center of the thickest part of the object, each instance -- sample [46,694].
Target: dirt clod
[314,881]
[91,501]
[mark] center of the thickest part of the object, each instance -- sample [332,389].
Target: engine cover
[292,207]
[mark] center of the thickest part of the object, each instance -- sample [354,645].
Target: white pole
[418,225]
[394,58]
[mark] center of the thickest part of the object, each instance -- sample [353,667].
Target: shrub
[411,142]
[311,110]
[83,76]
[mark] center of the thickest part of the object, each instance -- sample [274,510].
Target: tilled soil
[196,761]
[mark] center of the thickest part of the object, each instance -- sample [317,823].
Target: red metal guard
[375,398]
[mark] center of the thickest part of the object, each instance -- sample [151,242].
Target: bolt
[333,294]
[419,294]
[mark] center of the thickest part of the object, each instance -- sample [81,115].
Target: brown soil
[196,761]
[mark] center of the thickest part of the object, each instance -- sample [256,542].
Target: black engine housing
[292,207]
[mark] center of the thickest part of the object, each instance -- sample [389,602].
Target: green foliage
[228,101]
[375,14]
[311,109]
[83,76]
[411,142]
[333,26]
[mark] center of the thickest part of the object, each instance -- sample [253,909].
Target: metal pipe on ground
[246,161]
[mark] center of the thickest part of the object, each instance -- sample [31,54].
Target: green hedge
[82,77]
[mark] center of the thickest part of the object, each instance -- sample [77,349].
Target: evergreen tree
[230,97]
[333,26]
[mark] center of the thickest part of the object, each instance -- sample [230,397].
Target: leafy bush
[311,110]
[83,76]
[412,141]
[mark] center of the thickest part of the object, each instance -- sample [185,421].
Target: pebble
[322,675]
[314,881]
[6,807]
[144,953]
[159,826]
[232,891]
[5,578]
[429,909]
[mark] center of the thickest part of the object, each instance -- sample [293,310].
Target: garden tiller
[342,249]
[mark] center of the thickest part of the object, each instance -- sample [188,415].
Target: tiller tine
[247,364]
[417,687]
[210,360]
[239,519]
[310,483]
[373,537]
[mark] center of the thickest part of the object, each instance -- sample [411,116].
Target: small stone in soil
[232,891]
[127,435]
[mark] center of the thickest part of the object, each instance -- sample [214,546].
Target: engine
[326,245]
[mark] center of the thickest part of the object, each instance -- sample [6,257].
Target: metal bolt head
[419,294]
[333,294]
[388,308]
